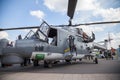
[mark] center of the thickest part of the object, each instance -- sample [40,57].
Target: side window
[53,36]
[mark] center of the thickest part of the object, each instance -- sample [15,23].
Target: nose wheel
[48,64]
[2,65]
[35,62]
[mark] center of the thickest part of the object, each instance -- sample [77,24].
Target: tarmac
[85,70]
[51,76]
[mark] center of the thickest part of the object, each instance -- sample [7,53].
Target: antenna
[109,40]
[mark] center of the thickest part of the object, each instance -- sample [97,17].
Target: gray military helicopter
[68,43]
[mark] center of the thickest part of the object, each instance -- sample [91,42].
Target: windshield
[41,33]
[44,28]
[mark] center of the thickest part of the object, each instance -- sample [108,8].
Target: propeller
[96,23]
[34,27]
[19,28]
[71,10]
[70,13]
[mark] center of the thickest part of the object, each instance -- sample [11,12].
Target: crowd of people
[106,54]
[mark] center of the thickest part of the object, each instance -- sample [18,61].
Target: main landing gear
[35,62]
[47,64]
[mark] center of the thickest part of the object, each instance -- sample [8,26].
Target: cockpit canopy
[42,33]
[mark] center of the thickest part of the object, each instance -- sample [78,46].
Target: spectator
[106,54]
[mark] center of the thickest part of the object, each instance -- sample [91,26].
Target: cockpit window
[30,34]
[53,36]
[44,27]
[41,33]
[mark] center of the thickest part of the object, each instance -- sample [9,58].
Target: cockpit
[44,33]
[41,33]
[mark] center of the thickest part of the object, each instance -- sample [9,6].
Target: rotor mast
[71,10]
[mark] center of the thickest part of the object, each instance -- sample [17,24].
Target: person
[113,51]
[106,54]
[97,54]
[102,55]
[118,52]
[89,51]
[110,55]
[71,43]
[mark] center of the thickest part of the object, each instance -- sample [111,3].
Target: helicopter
[67,43]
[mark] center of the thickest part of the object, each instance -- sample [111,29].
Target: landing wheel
[47,64]
[24,63]
[2,65]
[56,62]
[21,64]
[96,61]
[35,62]
[5,65]
[67,60]
[80,59]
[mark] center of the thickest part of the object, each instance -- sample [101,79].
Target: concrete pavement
[105,70]
[51,76]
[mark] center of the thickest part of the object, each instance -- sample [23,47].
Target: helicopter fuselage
[30,48]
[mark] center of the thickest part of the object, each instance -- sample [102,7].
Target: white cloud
[3,34]
[115,39]
[27,30]
[61,5]
[37,13]
[114,42]
[93,28]
[92,8]
[56,5]
[108,14]
[85,5]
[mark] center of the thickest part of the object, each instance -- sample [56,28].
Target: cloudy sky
[21,13]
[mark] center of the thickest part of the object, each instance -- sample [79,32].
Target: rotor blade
[19,28]
[109,22]
[95,23]
[71,8]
